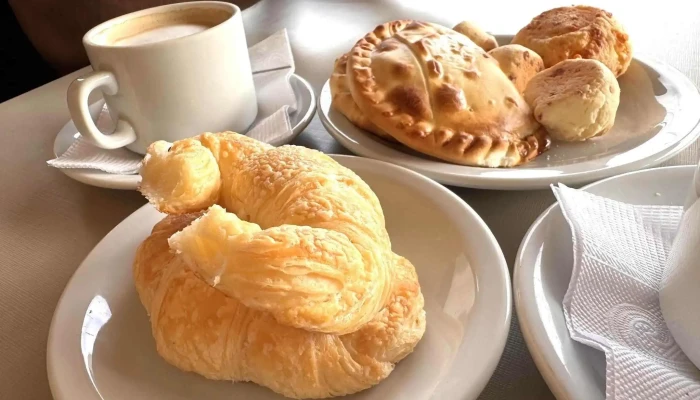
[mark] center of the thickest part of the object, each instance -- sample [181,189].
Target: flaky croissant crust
[287,280]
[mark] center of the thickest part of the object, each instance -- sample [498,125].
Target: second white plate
[542,273]
[100,343]
[657,118]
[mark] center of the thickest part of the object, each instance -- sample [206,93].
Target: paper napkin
[612,303]
[272,64]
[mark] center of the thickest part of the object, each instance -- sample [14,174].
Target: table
[49,223]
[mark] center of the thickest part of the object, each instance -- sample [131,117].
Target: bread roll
[575,100]
[578,32]
[477,35]
[519,63]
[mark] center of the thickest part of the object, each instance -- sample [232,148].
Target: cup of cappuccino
[167,73]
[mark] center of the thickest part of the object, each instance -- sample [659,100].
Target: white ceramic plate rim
[534,333]
[488,322]
[522,178]
[130,182]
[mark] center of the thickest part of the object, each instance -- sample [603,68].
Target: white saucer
[657,118]
[306,106]
[542,273]
[462,272]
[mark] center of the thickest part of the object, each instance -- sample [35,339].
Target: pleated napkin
[272,64]
[612,303]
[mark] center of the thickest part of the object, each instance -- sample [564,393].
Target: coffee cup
[694,190]
[167,73]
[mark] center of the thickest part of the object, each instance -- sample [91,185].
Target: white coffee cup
[679,293]
[167,73]
[694,191]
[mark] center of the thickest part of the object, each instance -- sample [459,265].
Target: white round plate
[306,106]
[657,118]
[100,341]
[542,273]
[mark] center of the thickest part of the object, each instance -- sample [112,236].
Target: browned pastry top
[561,20]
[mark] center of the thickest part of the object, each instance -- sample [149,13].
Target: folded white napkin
[272,64]
[612,303]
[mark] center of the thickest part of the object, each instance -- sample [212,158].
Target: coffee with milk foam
[161,27]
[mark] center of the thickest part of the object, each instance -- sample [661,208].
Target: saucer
[657,118]
[306,106]
[542,274]
[100,343]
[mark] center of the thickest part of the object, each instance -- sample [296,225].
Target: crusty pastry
[519,63]
[293,286]
[575,99]
[477,35]
[578,32]
[343,102]
[435,91]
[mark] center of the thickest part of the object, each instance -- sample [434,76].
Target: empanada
[438,93]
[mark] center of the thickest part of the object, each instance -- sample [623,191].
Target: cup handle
[77,98]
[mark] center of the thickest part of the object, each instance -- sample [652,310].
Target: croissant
[274,266]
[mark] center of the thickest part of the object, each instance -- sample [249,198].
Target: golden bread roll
[437,92]
[293,286]
[343,102]
[575,100]
[578,32]
[477,35]
[519,63]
